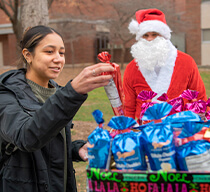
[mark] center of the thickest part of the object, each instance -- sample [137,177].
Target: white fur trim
[161,82]
[133,27]
[149,26]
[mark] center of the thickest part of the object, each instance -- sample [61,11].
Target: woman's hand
[83,152]
[90,78]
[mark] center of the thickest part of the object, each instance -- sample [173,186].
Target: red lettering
[204,187]
[134,187]
[138,187]
[142,187]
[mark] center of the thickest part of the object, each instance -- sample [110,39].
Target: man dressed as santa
[157,65]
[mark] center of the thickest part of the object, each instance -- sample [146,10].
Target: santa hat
[149,20]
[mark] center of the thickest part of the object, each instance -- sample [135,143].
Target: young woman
[36,114]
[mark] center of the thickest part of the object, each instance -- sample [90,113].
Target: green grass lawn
[206,79]
[98,99]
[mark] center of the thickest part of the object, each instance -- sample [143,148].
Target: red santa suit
[173,79]
[179,73]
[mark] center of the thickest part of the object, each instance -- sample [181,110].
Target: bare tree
[79,22]
[11,9]
[119,33]
[25,13]
[34,13]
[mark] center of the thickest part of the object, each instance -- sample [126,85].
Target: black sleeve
[76,145]
[31,131]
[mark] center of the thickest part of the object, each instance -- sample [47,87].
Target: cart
[101,180]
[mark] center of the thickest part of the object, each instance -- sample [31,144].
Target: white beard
[151,54]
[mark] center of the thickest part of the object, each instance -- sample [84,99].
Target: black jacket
[37,165]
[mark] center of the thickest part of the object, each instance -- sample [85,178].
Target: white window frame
[202,30]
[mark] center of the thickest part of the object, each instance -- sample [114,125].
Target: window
[205,0]
[101,43]
[206,35]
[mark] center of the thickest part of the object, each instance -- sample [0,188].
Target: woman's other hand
[90,78]
[83,153]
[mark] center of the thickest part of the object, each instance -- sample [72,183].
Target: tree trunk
[112,52]
[122,56]
[72,53]
[34,13]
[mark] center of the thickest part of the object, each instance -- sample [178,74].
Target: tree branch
[50,3]
[16,10]
[9,4]
[3,7]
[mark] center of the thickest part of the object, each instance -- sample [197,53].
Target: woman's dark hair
[31,38]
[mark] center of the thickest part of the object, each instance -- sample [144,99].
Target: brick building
[89,29]
[205,32]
